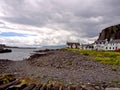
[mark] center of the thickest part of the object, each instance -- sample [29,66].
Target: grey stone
[112,89]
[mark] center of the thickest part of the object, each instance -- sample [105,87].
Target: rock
[43,88]
[50,87]
[38,87]
[55,88]
[5,86]
[112,89]
[30,87]
[5,50]
[104,84]
[1,81]
[90,87]
[71,88]
[110,32]
[17,87]
[63,88]
[80,88]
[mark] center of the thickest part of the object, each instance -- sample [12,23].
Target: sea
[18,54]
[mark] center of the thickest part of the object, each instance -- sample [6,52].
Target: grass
[114,69]
[69,63]
[7,78]
[104,57]
[115,80]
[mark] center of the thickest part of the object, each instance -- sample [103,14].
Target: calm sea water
[17,54]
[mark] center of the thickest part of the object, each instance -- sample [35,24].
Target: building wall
[73,46]
[107,46]
[118,45]
[98,46]
[110,46]
[102,46]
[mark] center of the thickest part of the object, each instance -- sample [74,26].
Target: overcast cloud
[53,22]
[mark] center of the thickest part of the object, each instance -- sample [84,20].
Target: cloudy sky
[53,22]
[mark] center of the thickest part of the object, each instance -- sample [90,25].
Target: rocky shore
[9,82]
[63,66]
[5,50]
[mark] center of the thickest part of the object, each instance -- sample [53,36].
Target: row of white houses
[98,45]
[107,45]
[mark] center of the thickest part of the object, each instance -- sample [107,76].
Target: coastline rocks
[64,66]
[22,84]
[5,50]
[40,53]
[112,88]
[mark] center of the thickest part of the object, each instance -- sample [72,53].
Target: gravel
[64,66]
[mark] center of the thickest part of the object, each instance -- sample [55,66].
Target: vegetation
[69,63]
[7,78]
[104,57]
[113,80]
[114,69]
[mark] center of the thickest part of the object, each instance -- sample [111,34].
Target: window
[109,47]
[106,48]
[113,48]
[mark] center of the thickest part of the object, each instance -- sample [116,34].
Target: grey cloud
[71,15]
[1,23]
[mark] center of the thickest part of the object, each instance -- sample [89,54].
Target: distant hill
[110,32]
[54,47]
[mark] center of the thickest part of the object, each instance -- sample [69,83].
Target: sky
[54,22]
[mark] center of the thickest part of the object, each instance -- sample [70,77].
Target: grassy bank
[104,57]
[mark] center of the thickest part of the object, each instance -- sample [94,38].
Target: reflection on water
[17,54]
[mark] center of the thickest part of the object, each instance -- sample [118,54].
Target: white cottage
[100,44]
[113,45]
[107,45]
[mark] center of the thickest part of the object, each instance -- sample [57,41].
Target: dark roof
[71,43]
[88,45]
[100,41]
[115,41]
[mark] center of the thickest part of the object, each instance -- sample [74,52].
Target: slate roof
[71,43]
[100,41]
[115,41]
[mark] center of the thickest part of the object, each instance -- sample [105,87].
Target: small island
[3,49]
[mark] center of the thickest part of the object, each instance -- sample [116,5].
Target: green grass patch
[69,63]
[104,57]
[115,80]
[114,69]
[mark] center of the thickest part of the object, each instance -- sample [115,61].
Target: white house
[113,45]
[107,45]
[104,45]
[100,44]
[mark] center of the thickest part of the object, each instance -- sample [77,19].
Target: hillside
[110,32]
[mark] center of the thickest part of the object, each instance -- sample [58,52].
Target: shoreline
[62,65]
